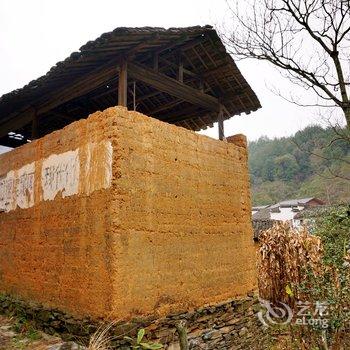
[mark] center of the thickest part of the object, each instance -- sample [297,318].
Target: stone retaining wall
[229,325]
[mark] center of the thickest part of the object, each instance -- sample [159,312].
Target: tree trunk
[346,111]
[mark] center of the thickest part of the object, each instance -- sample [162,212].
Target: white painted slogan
[60,173]
[17,188]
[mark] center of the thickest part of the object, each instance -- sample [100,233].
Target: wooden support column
[134,95]
[180,73]
[201,84]
[123,84]
[156,62]
[35,133]
[221,124]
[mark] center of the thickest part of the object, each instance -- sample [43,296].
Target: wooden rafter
[52,100]
[173,87]
[166,106]
[82,86]
[194,76]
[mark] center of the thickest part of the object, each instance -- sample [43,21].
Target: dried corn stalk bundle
[284,256]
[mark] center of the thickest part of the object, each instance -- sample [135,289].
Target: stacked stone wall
[232,324]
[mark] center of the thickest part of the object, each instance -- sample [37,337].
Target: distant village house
[289,210]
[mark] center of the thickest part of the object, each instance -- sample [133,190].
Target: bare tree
[309,40]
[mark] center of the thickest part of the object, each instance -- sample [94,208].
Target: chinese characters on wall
[59,174]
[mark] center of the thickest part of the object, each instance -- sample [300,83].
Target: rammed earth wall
[122,215]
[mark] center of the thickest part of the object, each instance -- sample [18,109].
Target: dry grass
[101,339]
[283,256]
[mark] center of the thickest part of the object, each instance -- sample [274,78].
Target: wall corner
[239,140]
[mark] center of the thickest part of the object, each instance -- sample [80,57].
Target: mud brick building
[126,211]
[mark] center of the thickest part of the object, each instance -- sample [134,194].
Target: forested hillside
[312,163]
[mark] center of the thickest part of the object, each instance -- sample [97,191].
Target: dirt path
[17,337]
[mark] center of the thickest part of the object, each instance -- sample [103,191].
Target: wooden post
[156,62]
[221,124]
[201,84]
[134,95]
[123,84]
[180,74]
[182,332]
[35,133]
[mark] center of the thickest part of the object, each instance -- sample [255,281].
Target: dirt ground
[16,336]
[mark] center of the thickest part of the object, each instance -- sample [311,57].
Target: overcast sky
[36,34]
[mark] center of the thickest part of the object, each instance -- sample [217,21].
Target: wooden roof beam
[189,45]
[148,95]
[50,101]
[183,114]
[173,87]
[78,88]
[172,44]
[165,107]
[174,65]
[173,47]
